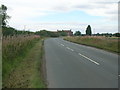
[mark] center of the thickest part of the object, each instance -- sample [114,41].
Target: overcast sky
[54,15]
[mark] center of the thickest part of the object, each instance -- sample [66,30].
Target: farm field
[106,43]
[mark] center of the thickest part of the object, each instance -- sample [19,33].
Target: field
[106,43]
[21,57]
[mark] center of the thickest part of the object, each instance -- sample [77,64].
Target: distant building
[69,32]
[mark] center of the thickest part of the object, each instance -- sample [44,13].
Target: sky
[52,15]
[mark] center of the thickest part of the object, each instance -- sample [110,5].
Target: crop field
[106,43]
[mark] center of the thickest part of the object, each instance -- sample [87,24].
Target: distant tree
[8,31]
[106,34]
[54,34]
[88,30]
[46,33]
[3,15]
[77,33]
[116,34]
[42,33]
[62,33]
[98,34]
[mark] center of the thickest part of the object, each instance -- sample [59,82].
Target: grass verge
[14,49]
[28,73]
[105,43]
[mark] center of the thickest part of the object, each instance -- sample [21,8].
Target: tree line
[89,33]
[9,31]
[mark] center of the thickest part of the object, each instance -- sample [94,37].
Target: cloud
[99,9]
[64,5]
[24,11]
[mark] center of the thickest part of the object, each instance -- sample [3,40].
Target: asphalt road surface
[70,65]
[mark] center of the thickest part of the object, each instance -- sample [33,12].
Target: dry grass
[28,73]
[14,49]
[106,43]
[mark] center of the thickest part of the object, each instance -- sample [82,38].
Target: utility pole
[93,31]
[24,27]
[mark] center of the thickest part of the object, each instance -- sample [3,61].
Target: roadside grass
[24,71]
[105,43]
[14,49]
[0,63]
[37,79]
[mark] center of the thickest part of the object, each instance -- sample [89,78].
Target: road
[69,65]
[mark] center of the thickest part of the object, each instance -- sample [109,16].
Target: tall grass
[14,48]
[106,43]
[29,73]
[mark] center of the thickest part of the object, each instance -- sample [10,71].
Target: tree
[46,33]
[116,34]
[88,30]
[97,34]
[42,33]
[3,15]
[77,33]
[62,33]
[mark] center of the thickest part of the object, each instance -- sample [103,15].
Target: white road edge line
[89,59]
[119,75]
[62,45]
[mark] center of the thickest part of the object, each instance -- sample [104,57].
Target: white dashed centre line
[62,45]
[69,48]
[89,59]
[84,56]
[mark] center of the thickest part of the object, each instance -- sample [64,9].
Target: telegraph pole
[24,27]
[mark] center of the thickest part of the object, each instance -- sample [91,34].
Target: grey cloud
[89,6]
[112,12]
[106,2]
[60,8]
[62,23]
[83,6]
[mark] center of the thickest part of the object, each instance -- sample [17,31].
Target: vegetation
[4,15]
[88,30]
[62,33]
[106,43]
[9,31]
[21,56]
[22,52]
[13,49]
[116,34]
[77,33]
[28,73]
[45,33]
